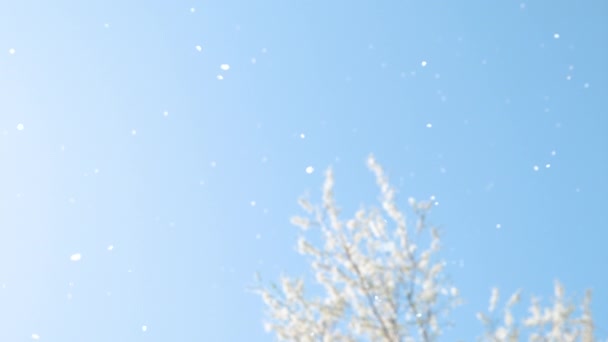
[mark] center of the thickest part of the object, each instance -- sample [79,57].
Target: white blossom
[379,280]
[554,323]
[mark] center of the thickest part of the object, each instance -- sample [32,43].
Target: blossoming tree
[378,279]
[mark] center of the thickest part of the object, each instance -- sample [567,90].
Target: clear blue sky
[119,143]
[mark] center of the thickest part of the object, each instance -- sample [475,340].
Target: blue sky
[119,143]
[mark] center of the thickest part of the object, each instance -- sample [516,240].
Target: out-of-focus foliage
[379,279]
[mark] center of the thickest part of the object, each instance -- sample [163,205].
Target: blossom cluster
[378,277]
[558,322]
[376,280]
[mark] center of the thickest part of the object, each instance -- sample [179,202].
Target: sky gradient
[125,143]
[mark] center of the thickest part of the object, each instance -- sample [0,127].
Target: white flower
[493,299]
[376,283]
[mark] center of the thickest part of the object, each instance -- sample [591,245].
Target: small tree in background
[387,284]
[553,323]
